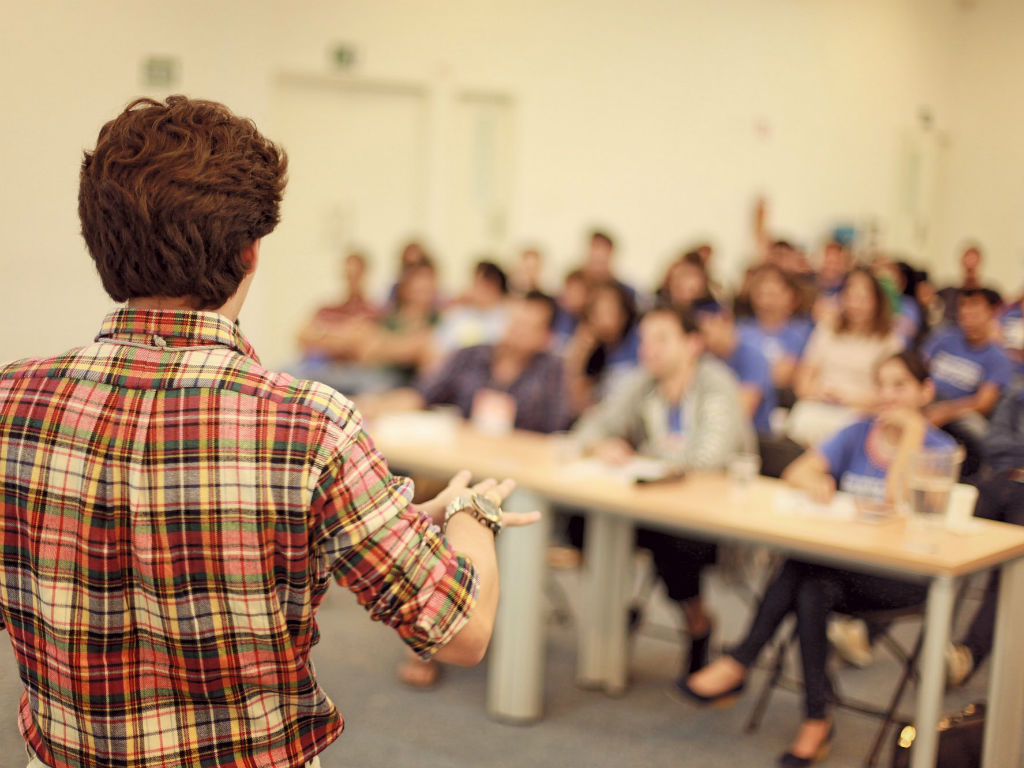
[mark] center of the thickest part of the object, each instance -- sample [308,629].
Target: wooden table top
[701,503]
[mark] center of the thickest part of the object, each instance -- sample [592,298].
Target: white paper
[789,501]
[638,467]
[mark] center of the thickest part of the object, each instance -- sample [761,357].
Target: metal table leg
[1004,723]
[933,672]
[515,665]
[608,549]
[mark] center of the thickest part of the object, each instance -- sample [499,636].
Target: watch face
[487,508]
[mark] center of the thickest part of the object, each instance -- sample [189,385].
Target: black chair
[883,620]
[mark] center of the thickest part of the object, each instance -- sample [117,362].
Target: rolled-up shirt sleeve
[367,535]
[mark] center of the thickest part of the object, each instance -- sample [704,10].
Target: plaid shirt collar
[174,328]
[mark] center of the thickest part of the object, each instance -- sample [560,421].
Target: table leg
[608,549]
[933,672]
[1005,714]
[515,661]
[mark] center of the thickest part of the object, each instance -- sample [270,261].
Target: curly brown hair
[172,195]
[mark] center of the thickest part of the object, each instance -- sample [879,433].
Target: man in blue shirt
[774,328]
[970,372]
[747,361]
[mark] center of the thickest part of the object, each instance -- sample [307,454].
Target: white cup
[960,512]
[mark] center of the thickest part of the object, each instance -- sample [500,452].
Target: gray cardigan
[715,426]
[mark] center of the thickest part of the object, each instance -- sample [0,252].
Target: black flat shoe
[634,616]
[699,648]
[788,760]
[719,700]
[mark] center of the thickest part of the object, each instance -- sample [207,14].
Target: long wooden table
[707,507]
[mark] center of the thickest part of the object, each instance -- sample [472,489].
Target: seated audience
[774,327]
[706,252]
[597,264]
[519,370]
[1000,497]
[685,282]
[330,334]
[836,263]
[682,407]
[908,319]
[412,253]
[1011,333]
[867,458]
[604,345]
[478,317]
[970,278]
[363,352]
[527,275]
[836,371]
[970,372]
[401,344]
[571,302]
[933,309]
[748,363]
[519,366]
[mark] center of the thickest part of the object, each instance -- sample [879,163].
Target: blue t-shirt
[852,468]
[1012,325]
[751,366]
[908,319]
[959,370]
[789,340]
[563,327]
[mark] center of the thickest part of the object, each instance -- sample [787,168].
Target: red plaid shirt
[172,516]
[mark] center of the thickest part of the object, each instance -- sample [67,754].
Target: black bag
[960,738]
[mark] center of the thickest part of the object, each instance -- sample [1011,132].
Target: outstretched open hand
[491,488]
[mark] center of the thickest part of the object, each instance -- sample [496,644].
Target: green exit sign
[344,56]
[160,71]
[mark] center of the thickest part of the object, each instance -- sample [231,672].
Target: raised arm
[913,426]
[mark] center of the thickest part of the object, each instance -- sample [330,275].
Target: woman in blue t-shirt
[866,458]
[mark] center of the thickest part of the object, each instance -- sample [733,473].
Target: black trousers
[812,592]
[999,498]
[678,562]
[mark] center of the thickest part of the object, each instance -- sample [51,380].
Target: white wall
[65,69]
[983,192]
[658,119]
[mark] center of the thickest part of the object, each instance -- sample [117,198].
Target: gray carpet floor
[388,725]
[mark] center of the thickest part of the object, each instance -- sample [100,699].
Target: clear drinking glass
[743,469]
[930,479]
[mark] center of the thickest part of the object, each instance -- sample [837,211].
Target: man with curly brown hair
[173,512]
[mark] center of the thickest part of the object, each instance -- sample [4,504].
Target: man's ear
[251,255]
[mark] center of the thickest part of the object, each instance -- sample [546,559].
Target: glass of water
[930,478]
[743,470]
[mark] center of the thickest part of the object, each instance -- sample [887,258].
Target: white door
[479,183]
[357,179]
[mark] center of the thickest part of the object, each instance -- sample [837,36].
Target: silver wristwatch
[480,507]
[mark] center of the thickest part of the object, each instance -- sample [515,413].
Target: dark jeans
[999,498]
[970,433]
[678,561]
[812,592]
